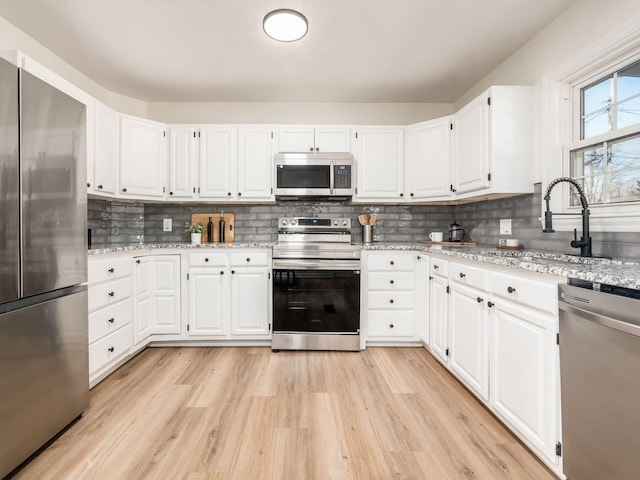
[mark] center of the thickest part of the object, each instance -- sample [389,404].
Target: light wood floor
[248,413]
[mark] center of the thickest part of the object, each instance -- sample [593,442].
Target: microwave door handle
[331,174]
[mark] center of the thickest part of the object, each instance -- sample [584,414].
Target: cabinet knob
[392,262]
[248,259]
[391,325]
[111,320]
[479,300]
[138,261]
[419,257]
[311,149]
[111,270]
[391,282]
[206,259]
[511,289]
[111,294]
[239,194]
[490,304]
[411,194]
[391,301]
[402,194]
[317,149]
[228,194]
[111,349]
[100,187]
[170,193]
[435,267]
[462,275]
[88,184]
[124,189]
[233,272]
[221,272]
[430,277]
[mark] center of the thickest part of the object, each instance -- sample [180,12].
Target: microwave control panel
[342,176]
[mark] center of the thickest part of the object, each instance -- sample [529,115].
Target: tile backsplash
[120,222]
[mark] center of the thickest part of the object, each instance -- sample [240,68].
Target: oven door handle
[290,264]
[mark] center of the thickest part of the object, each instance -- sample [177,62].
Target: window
[606,158]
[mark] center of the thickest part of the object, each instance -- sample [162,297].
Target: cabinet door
[105,168]
[438,312]
[333,139]
[428,160]
[142,157]
[471,145]
[143,303]
[218,157]
[422,293]
[296,139]
[183,162]
[166,294]
[255,163]
[249,301]
[524,373]
[379,164]
[468,338]
[208,301]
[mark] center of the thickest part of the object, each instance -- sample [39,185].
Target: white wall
[11,38]
[310,113]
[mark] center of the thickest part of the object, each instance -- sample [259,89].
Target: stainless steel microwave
[314,175]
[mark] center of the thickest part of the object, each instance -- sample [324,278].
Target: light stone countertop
[619,272]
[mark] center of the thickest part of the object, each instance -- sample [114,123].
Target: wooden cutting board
[450,244]
[229,226]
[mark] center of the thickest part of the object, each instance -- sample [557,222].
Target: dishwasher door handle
[601,319]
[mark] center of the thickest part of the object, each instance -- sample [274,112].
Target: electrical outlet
[505,226]
[167,225]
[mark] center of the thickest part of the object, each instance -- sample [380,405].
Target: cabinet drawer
[112,347]
[439,267]
[535,293]
[388,324]
[468,275]
[393,281]
[249,259]
[109,319]
[100,269]
[108,293]
[208,259]
[391,261]
[390,300]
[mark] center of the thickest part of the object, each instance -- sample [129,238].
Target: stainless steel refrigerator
[44,378]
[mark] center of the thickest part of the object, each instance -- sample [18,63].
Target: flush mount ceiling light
[285,25]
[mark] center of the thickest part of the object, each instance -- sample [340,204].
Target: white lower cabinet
[230,294]
[390,302]
[438,315]
[524,374]
[468,334]
[156,296]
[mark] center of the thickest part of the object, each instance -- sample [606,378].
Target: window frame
[561,127]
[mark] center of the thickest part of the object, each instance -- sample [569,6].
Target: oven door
[316,297]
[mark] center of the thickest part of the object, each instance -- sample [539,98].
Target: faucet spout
[584,244]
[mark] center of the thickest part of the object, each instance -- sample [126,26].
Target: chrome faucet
[584,244]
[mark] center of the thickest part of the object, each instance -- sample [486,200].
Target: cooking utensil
[362,219]
[456,233]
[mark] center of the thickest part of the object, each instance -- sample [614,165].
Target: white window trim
[558,123]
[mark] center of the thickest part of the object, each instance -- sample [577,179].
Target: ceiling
[215,50]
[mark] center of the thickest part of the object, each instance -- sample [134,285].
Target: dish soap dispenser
[221,227]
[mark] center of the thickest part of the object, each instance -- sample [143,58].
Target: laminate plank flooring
[250,414]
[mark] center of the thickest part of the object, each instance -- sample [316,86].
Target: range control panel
[311,223]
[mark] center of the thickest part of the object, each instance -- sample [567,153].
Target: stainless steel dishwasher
[600,380]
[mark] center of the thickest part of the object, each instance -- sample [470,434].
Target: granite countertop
[619,271]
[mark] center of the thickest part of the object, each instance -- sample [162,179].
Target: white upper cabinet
[379,158]
[183,162]
[105,150]
[218,157]
[142,157]
[300,139]
[428,159]
[255,163]
[493,143]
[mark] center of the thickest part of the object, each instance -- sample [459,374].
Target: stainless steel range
[316,285]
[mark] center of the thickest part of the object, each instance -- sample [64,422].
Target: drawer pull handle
[435,267]
[248,259]
[479,300]
[111,349]
[138,262]
[490,304]
[392,262]
[206,259]
[391,325]
[111,294]
[391,282]
[462,275]
[233,272]
[111,320]
[391,301]
[511,289]
[221,272]
[111,270]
